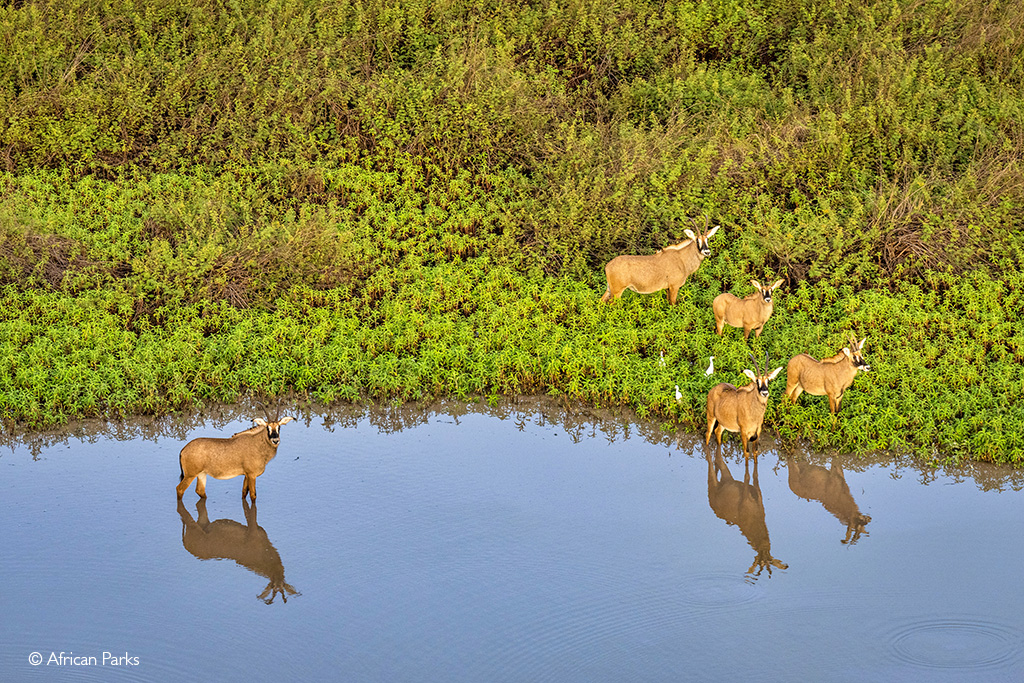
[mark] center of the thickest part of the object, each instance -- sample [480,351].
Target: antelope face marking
[766,292]
[857,357]
[761,381]
[701,241]
[273,428]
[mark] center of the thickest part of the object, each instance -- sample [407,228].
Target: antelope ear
[285,420]
[773,373]
[861,345]
[757,285]
[847,352]
[689,233]
[778,283]
[259,421]
[750,374]
[712,231]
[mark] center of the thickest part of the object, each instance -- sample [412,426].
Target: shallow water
[517,543]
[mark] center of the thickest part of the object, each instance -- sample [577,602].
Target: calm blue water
[501,545]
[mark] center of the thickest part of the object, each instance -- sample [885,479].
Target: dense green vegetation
[398,200]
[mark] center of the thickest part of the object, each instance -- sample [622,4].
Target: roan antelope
[740,409]
[651,273]
[750,312]
[245,453]
[828,377]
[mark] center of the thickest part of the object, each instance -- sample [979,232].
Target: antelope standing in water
[828,377]
[828,487]
[750,312]
[740,409]
[669,268]
[245,453]
[740,503]
[247,544]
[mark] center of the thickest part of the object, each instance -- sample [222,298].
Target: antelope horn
[754,361]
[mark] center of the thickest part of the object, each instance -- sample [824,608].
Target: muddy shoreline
[574,419]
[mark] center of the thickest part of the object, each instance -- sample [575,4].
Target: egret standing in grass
[711,367]
[679,395]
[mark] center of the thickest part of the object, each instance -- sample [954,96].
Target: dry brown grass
[27,255]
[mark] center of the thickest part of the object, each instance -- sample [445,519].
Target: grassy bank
[398,201]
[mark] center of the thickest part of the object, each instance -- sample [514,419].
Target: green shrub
[398,201]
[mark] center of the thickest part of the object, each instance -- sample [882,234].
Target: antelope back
[728,405]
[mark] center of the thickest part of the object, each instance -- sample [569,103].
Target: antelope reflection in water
[828,487]
[740,503]
[247,544]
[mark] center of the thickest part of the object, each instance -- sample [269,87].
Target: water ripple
[719,590]
[956,644]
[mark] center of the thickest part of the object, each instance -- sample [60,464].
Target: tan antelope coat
[739,409]
[749,313]
[243,454]
[830,377]
[667,269]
